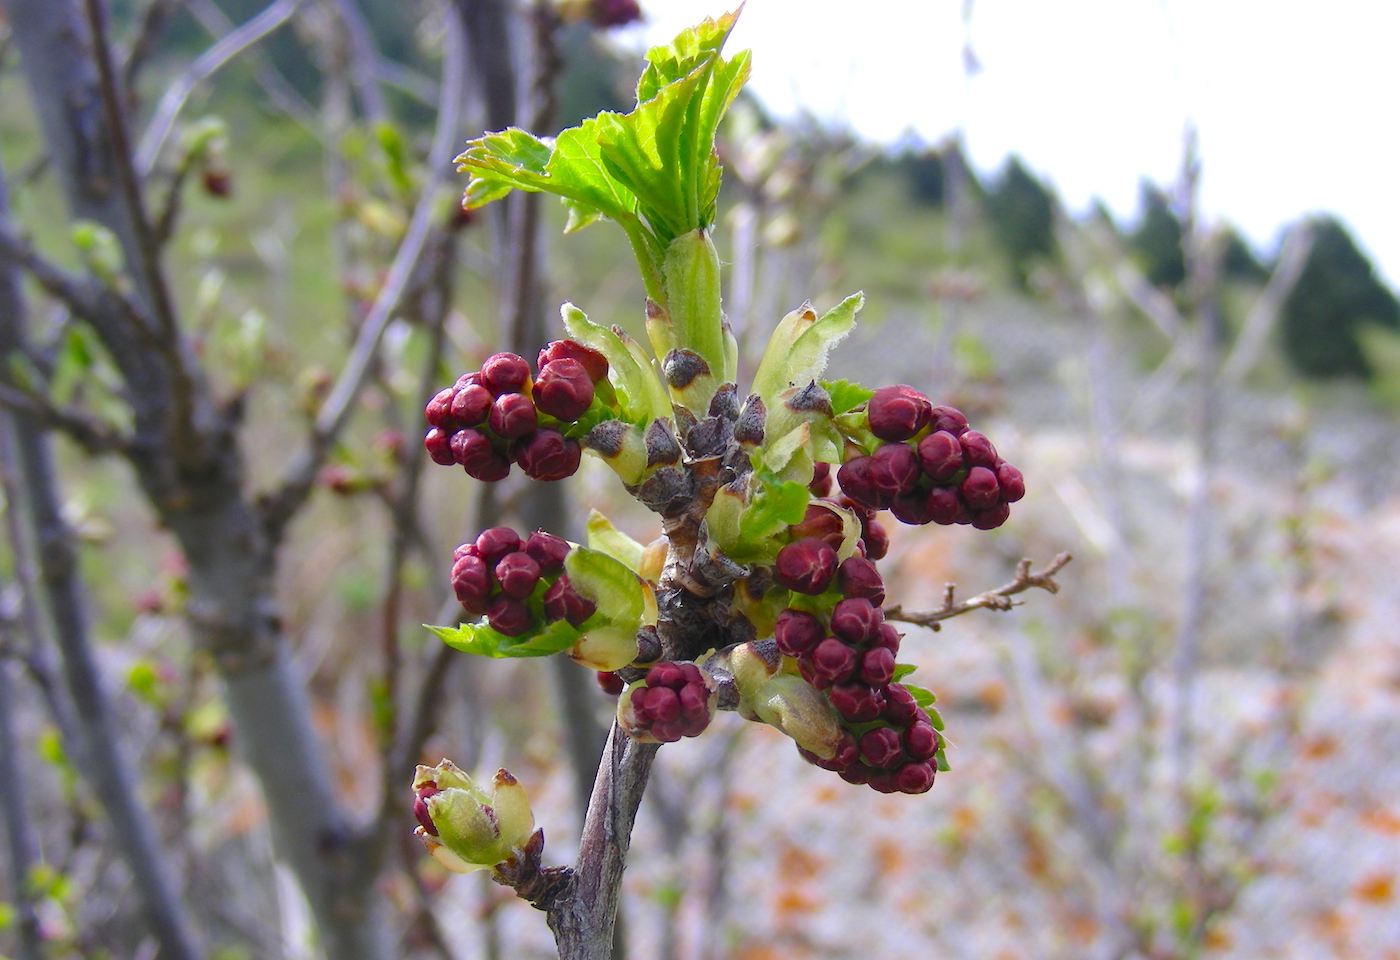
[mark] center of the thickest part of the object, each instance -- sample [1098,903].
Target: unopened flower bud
[857,483]
[876,540]
[992,517]
[914,778]
[978,449]
[464,827]
[494,543]
[901,709]
[821,479]
[561,602]
[594,362]
[1013,485]
[548,551]
[517,574]
[509,616]
[563,390]
[940,455]
[980,488]
[471,582]
[797,633]
[438,443]
[471,404]
[806,566]
[950,419]
[857,702]
[548,455]
[894,469]
[897,413]
[513,416]
[858,577]
[609,682]
[505,373]
[877,667]
[832,662]
[921,740]
[438,411]
[856,620]
[881,748]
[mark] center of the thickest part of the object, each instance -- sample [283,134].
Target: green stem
[648,259]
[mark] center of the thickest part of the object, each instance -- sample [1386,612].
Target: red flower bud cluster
[897,756]
[930,468]
[499,575]
[824,524]
[499,414]
[673,702]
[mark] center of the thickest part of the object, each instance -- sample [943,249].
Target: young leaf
[902,670]
[924,698]
[480,639]
[797,350]
[606,538]
[639,390]
[845,395]
[773,505]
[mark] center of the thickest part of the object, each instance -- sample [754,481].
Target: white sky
[1296,103]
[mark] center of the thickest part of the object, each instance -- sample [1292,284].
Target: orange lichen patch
[1376,888]
[826,793]
[992,696]
[1218,939]
[1315,748]
[1381,820]
[890,857]
[795,863]
[793,901]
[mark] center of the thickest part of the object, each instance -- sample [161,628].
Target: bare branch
[283,95]
[1297,247]
[93,435]
[206,65]
[154,19]
[279,507]
[23,841]
[998,599]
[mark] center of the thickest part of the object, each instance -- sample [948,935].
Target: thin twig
[279,507]
[93,435]
[19,827]
[284,96]
[154,19]
[998,599]
[206,65]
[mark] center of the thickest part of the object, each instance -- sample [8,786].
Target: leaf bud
[563,389]
[897,413]
[799,710]
[464,827]
[806,566]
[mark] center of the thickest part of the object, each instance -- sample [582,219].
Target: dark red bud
[978,449]
[876,540]
[897,413]
[607,14]
[1013,485]
[508,615]
[420,808]
[490,469]
[471,404]
[941,456]
[548,551]
[856,620]
[913,508]
[858,577]
[505,373]
[513,416]
[493,544]
[856,773]
[887,638]
[857,702]
[821,523]
[980,489]
[992,517]
[611,683]
[471,448]
[877,667]
[921,740]
[548,455]
[662,704]
[881,748]
[562,603]
[471,582]
[806,566]
[563,389]
[666,674]
[438,443]
[797,633]
[594,362]
[438,412]
[833,662]
[944,506]
[856,483]
[914,778]
[695,701]
[950,419]
[821,479]
[900,706]
[894,469]
[517,574]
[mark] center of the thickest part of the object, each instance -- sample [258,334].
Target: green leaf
[924,698]
[941,761]
[902,670]
[797,351]
[773,505]
[639,389]
[845,395]
[609,583]
[606,538]
[480,639]
[692,46]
